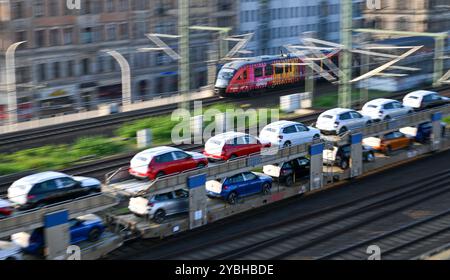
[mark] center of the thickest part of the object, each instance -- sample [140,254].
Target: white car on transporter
[422,99]
[287,133]
[383,109]
[341,120]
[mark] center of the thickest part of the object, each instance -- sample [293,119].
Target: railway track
[98,168]
[312,235]
[13,141]
[410,241]
[33,137]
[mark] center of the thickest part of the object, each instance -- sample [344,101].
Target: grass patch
[331,99]
[60,156]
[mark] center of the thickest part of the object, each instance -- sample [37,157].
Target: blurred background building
[62,68]
[410,15]
[279,22]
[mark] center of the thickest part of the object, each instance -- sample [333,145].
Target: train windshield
[226,73]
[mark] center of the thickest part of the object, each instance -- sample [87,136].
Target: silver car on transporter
[159,207]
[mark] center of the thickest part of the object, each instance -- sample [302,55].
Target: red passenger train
[260,73]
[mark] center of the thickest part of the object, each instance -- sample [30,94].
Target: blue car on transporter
[84,228]
[239,185]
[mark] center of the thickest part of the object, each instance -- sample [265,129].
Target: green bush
[446,120]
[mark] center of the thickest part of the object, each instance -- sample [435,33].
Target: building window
[38,10]
[21,36]
[68,36]
[378,23]
[110,6]
[403,5]
[39,38]
[403,24]
[53,8]
[139,5]
[123,5]
[140,29]
[56,70]
[99,33]
[41,72]
[23,75]
[54,37]
[70,68]
[123,31]
[100,64]
[111,32]
[87,7]
[17,10]
[85,66]
[86,35]
[97,7]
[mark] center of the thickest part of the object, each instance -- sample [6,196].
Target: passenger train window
[258,72]
[279,69]
[243,76]
[269,70]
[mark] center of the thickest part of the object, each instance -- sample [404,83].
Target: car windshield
[226,73]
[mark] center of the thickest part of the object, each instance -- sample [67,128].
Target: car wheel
[370,157]
[232,198]
[289,181]
[387,118]
[201,165]
[368,123]
[159,174]
[159,216]
[287,144]
[266,188]
[316,137]
[233,156]
[344,164]
[388,151]
[343,130]
[94,234]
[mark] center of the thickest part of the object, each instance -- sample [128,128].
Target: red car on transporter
[156,162]
[231,145]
